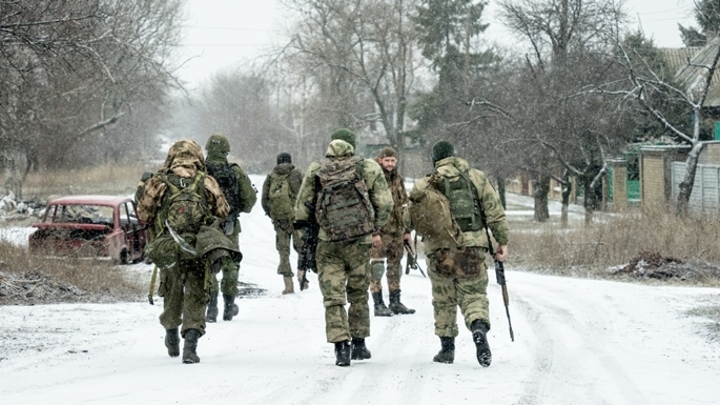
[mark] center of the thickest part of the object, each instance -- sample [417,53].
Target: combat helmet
[217,143]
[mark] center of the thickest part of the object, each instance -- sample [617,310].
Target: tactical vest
[228,180]
[280,200]
[464,204]
[343,208]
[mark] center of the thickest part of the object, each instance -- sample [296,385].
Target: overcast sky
[222,34]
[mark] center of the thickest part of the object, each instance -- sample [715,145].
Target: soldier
[393,235]
[457,270]
[348,218]
[241,196]
[182,204]
[280,191]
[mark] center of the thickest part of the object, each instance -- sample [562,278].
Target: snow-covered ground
[576,342]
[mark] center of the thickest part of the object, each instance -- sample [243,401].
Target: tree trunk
[589,199]
[541,187]
[566,192]
[686,186]
[501,191]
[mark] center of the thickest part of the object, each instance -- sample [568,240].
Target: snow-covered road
[576,342]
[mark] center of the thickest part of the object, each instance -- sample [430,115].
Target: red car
[92,225]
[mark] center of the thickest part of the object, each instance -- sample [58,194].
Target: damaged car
[91,226]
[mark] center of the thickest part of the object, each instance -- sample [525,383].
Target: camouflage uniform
[184,285]
[284,231]
[393,234]
[461,281]
[217,149]
[342,266]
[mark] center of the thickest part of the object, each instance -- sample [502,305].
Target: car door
[134,230]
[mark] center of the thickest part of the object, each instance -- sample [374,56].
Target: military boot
[190,348]
[172,342]
[212,309]
[380,308]
[288,286]
[447,350]
[231,309]
[396,306]
[342,353]
[359,350]
[479,330]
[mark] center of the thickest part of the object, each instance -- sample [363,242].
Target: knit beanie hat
[441,150]
[387,151]
[284,158]
[345,135]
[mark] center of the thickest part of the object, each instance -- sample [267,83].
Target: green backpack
[464,204]
[280,200]
[184,206]
[343,208]
[185,210]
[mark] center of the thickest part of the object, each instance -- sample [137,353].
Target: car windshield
[81,213]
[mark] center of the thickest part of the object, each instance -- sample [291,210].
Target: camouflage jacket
[248,196]
[185,159]
[396,183]
[294,178]
[492,207]
[372,173]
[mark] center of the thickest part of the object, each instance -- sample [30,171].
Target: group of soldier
[346,268]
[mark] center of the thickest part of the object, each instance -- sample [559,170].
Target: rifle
[411,260]
[499,276]
[306,255]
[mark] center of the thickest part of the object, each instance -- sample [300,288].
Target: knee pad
[377,269]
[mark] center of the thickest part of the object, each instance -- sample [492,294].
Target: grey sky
[222,34]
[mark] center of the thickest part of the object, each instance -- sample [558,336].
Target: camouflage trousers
[458,279]
[230,269]
[185,295]
[343,274]
[283,233]
[392,250]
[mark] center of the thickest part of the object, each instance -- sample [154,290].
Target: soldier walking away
[456,250]
[279,193]
[349,198]
[241,196]
[393,235]
[182,204]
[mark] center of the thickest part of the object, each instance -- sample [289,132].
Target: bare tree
[361,56]
[559,31]
[650,89]
[82,66]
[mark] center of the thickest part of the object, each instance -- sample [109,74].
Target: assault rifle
[500,277]
[306,255]
[499,267]
[411,260]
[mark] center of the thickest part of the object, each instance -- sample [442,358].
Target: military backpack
[184,205]
[228,180]
[280,199]
[343,208]
[431,215]
[185,210]
[464,204]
